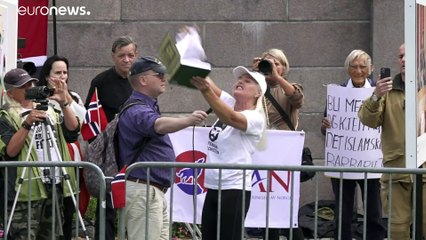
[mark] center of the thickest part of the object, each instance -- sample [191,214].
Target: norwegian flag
[75,152]
[95,120]
[118,189]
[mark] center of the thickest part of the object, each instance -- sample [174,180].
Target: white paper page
[189,45]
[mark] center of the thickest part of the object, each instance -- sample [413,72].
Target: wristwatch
[375,97]
[66,104]
[26,125]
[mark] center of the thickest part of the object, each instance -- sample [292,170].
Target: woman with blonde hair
[233,138]
[274,65]
[288,95]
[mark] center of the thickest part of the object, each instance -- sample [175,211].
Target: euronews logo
[53,10]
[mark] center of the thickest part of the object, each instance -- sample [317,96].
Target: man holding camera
[23,123]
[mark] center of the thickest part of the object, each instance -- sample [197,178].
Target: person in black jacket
[112,85]
[113,90]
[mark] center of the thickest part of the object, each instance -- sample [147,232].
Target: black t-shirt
[113,91]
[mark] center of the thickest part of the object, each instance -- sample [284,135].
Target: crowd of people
[33,129]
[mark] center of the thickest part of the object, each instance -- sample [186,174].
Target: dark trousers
[375,229]
[274,233]
[109,220]
[68,210]
[46,214]
[231,215]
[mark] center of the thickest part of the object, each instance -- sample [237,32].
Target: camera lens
[39,93]
[265,67]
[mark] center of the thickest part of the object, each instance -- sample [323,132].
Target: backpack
[306,161]
[325,225]
[103,152]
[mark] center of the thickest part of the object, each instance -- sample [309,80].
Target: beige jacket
[290,104]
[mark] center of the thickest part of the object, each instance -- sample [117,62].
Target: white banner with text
[348,142]
[283,148]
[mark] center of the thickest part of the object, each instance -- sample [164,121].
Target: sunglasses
[160,75]
[26,85]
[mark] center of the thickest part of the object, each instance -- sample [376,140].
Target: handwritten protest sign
[348,142]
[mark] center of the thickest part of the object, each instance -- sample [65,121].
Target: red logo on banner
[275,180]
[188,179]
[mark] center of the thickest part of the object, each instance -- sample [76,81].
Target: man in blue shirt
[143,123]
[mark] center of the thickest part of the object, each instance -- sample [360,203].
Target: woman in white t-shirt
[56,68]
[233,139]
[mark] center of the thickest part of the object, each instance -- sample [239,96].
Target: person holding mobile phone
[384,84]
[386,109]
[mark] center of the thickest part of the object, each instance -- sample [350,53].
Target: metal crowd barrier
[4,168]
[193,227]
[318,169]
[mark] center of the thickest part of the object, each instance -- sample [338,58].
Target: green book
[182,68]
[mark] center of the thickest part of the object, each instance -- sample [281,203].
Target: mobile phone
[385,72]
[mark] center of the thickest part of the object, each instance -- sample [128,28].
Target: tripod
[46,130]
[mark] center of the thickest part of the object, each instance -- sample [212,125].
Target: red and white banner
[32,26]
[283,148]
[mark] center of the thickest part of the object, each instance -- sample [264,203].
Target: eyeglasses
[160,75]
[362,67]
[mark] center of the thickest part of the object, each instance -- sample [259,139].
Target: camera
[265,67]
[39,93]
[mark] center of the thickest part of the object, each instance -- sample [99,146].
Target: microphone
[210,110]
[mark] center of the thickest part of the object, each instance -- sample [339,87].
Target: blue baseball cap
[147,63]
